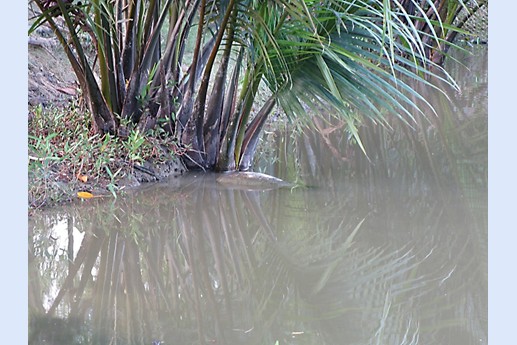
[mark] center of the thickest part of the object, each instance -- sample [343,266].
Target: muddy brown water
[387,251]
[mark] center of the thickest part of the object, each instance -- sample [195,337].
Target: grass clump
[66,156]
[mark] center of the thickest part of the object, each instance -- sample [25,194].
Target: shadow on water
[386,251]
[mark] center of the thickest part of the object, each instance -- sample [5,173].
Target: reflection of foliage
[240,271]
[440,166]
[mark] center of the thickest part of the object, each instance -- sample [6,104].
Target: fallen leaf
[82,178]
[84,195]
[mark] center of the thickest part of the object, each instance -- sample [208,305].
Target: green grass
[65,156]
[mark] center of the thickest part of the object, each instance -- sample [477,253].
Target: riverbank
[64,157]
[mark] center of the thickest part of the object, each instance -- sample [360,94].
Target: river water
[389,249]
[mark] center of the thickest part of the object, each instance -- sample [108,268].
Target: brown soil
[51,78]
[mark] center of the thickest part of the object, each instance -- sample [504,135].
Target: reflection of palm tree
[201,263]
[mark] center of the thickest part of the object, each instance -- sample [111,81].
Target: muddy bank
[51,78]
[52,84]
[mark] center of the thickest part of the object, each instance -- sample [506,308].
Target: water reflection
[386,251]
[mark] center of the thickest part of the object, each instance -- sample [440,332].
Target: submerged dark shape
[251,180]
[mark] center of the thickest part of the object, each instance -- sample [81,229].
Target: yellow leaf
[82,178]
[84,195]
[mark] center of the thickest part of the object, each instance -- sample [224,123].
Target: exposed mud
[51,78]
